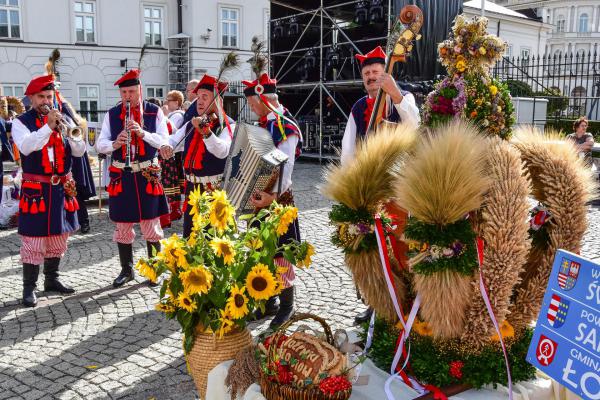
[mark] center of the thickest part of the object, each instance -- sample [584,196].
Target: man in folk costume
[263,100]
[205,147]
[135,195]
[174,178]
[48,205]
[400,105]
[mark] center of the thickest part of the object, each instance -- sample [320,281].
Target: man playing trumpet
[135,191]
[48,205]
[205,143]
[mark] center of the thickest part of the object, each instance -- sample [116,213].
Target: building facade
[100,39]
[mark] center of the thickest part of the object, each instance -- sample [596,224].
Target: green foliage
[430,360]
[518,88]
[556,101]
[343,216]
[444,237]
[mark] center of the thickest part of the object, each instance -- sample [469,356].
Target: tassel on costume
[34,208]
[42,206]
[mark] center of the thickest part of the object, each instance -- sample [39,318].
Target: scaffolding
[327,38]
[179,61]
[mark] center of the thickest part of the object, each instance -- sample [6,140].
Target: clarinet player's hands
[135,128]
[120,141]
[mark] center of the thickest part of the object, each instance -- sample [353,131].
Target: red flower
[456,369]
[283,373]
[334,384]
[268,340]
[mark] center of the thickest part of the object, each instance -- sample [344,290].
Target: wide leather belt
[205,180]
[53,179]
[136,166]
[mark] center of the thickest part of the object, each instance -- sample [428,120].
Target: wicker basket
[275,391]
[208,351]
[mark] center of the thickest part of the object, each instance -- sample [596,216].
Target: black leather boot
[153,249]
[30,276]
[271,308]
[51,282]
[363,317]
[286,308]
[126,258]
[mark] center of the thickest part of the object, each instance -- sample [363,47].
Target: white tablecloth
[538,389]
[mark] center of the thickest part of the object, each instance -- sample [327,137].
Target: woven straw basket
[275,391]
[208,351]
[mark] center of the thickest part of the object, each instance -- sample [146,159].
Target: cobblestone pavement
[105,343]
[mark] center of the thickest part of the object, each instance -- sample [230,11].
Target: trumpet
[66,126]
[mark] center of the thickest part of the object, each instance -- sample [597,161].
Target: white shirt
[155,139]
[288,146]
[176,118]
[27,141]
[408,111]
[218,145]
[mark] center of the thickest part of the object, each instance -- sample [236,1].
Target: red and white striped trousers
[35,248]
[151,230]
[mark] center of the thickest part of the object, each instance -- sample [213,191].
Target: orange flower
[473,114]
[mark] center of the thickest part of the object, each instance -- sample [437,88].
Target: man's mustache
[371,81]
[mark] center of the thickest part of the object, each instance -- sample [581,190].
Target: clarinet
[127,166]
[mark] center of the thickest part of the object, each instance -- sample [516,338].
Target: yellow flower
[196,280]
[506,330]
[286,219]
[226,323]
[260,282]
[310,251]
[179,254]
[254,243]
[493,90]
[193,200]
[146,270]
[482,51]
[237,304]
[223,248]
[221,211]
[422,328]
[460,58]
[461,66]
[186,302]
[166,308]
[192,240]
[280,284]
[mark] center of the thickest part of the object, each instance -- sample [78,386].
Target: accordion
[253,165]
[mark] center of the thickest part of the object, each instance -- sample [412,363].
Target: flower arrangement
[469,91]
[221,274]
[538,232]
[355,229]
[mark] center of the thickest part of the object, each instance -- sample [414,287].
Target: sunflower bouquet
[221,273]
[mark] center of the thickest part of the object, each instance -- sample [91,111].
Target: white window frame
[587,23]
[152,20]
[154,89]
[12,86]
[87,112]
[561,23]
[84,15]
[237,23]
[8,8]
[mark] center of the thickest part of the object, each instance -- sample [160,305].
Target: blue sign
[566,340]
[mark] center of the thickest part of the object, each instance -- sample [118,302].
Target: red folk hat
[375,56]
[129,78]
[209,83]
[263,84]
[40,83]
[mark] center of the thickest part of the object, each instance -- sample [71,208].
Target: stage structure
[312,45]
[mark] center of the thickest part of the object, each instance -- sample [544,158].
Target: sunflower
[223,248]
[179,255]
[146,270]
[260,282]
[226,323]
[166,308]
[186,302]
[221,211]
[307,260]
[237,304]
[422,328]
[507,331]
[196,280]
[287,217]
[193,200]
[192,239]
[254,243]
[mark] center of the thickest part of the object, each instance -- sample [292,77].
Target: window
[525,57]
[10,89]
[154,91]
[10,19]
[88,102]
[153,26]
[583,22]
[229,27]
[85,14]
[560,23]
[578,100]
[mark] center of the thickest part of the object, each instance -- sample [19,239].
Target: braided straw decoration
[503,227]
[208,351]
[564,184]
